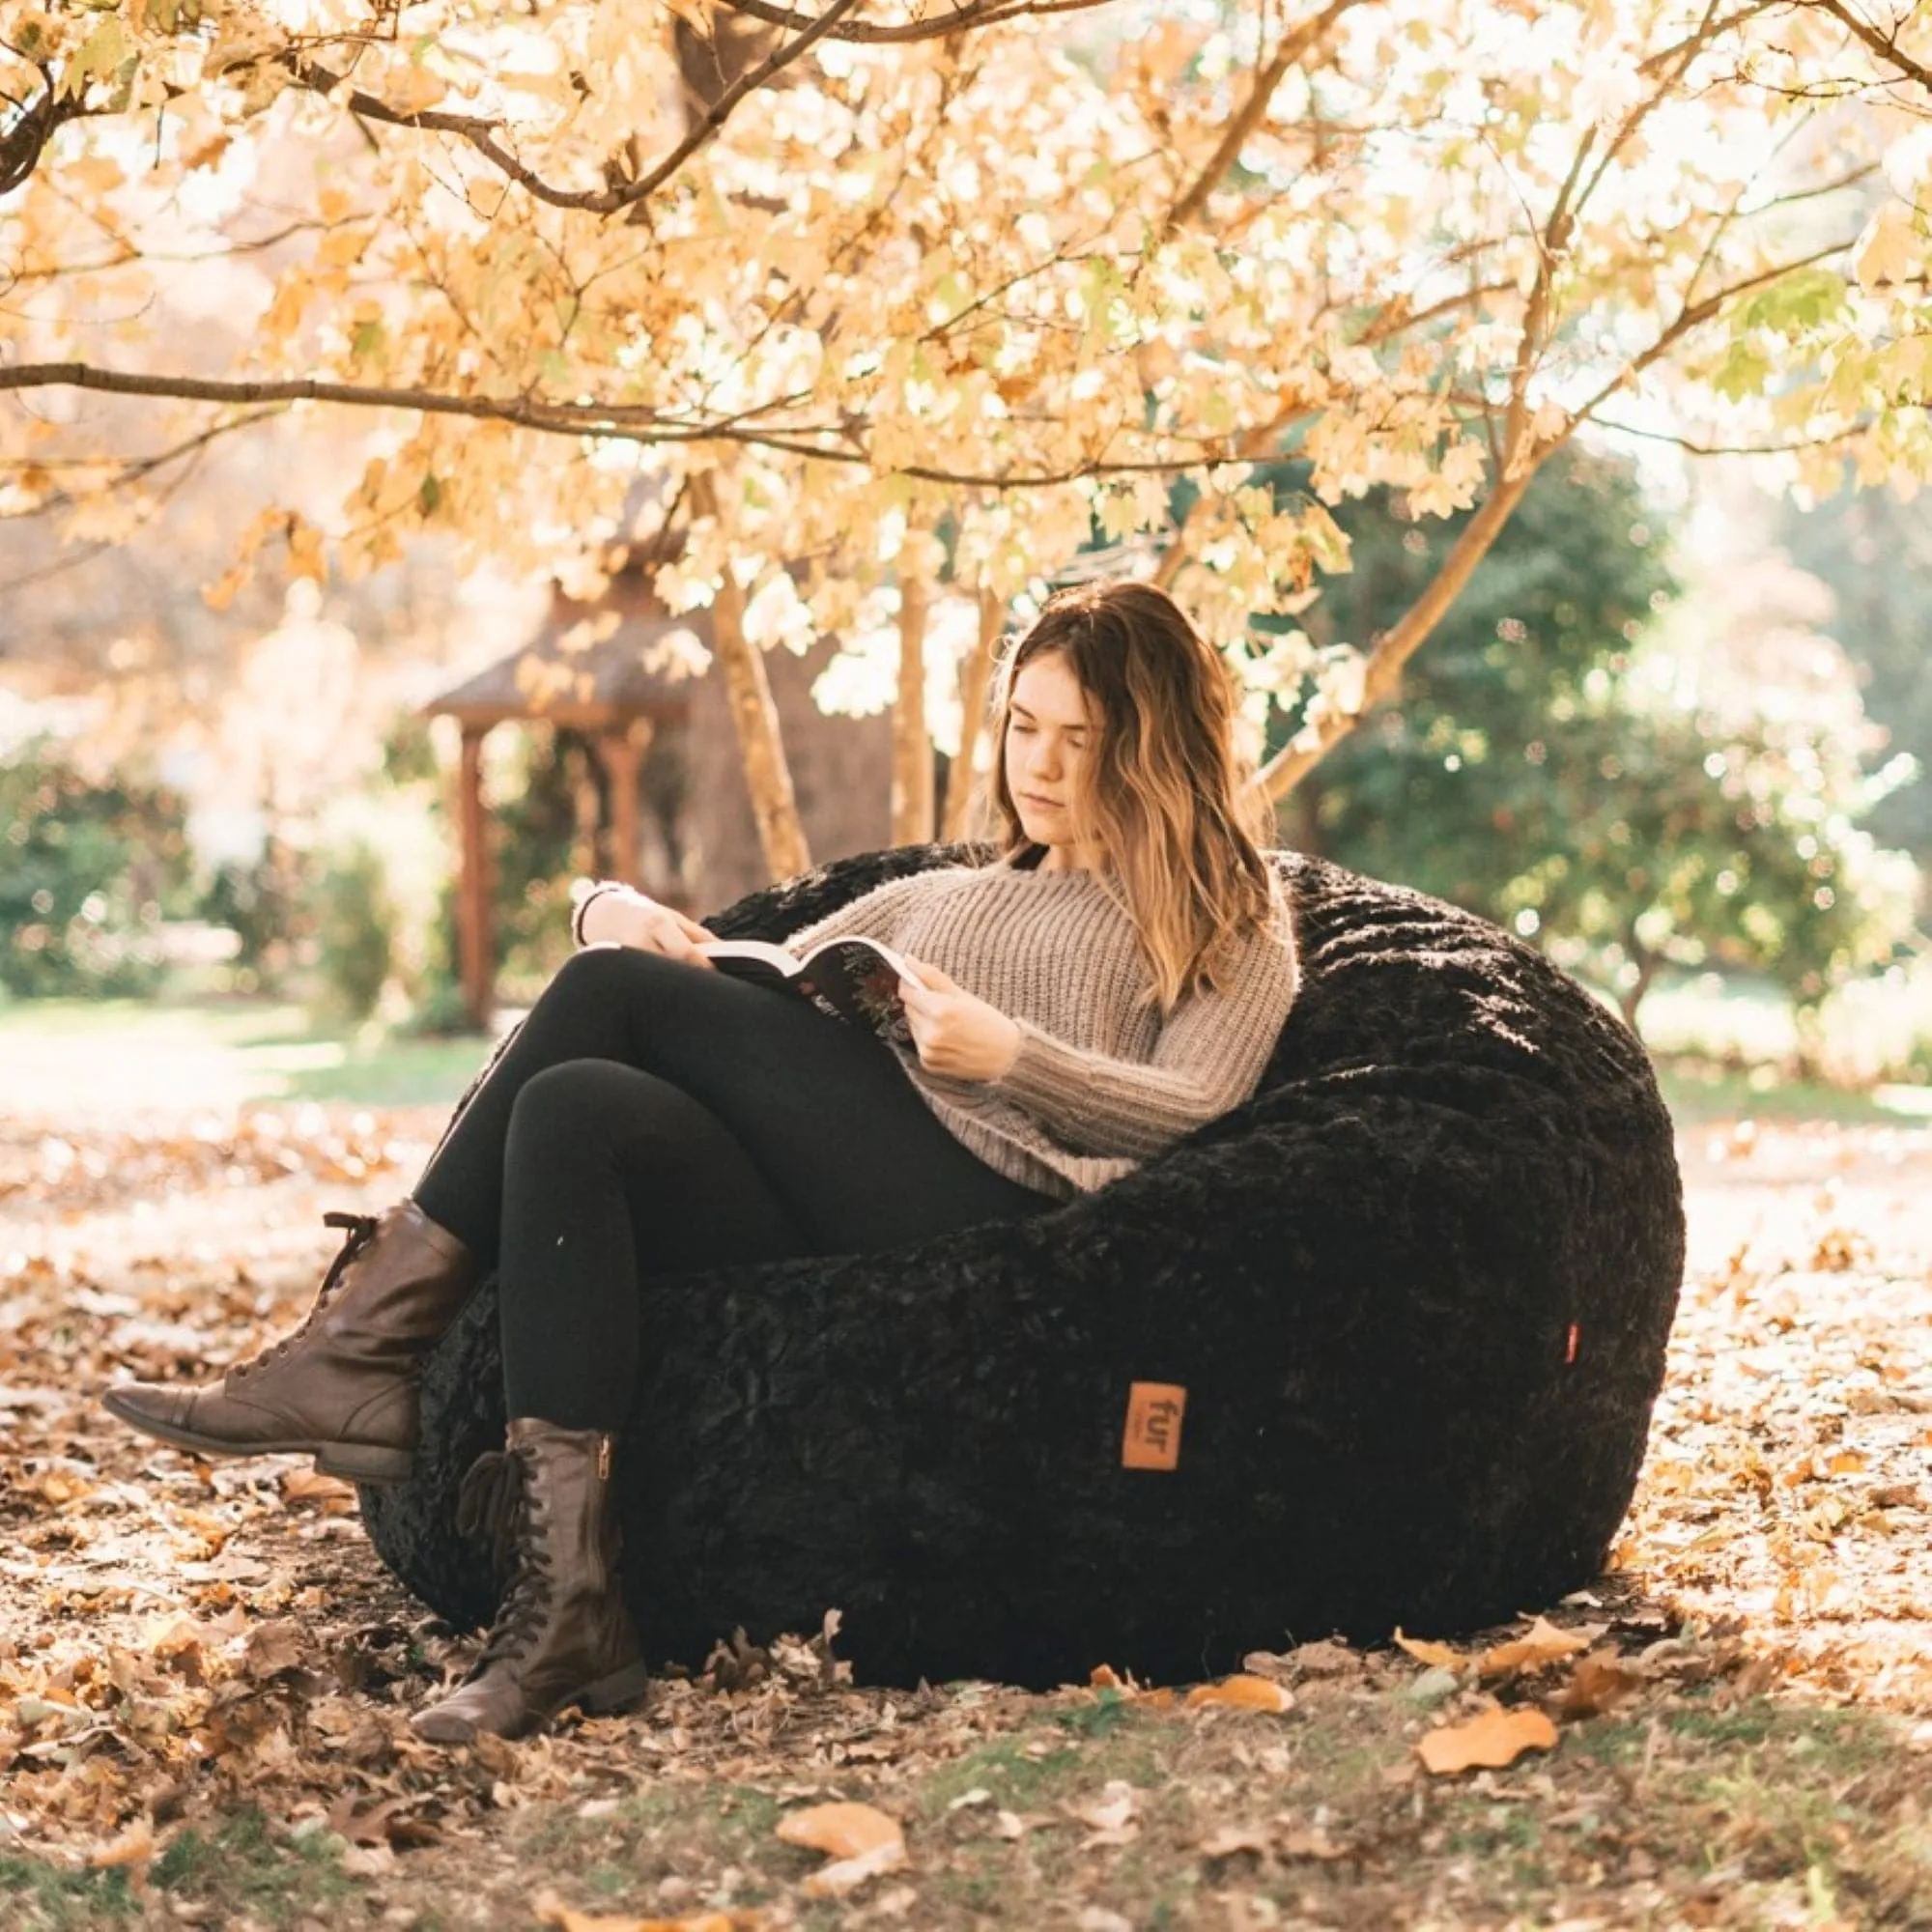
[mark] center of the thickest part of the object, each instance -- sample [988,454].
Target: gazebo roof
[591,666]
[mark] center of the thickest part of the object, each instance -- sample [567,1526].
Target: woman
[1116,977]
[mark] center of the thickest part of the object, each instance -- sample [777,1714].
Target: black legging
[651,1115]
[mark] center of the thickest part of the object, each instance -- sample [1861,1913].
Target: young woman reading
[1116,977]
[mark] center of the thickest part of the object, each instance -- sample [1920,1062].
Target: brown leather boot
[563,1635]
[343,1386]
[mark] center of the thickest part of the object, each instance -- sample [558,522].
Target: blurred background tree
[89,870]
[1555,765]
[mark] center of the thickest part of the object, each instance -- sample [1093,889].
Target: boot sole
[352,1462]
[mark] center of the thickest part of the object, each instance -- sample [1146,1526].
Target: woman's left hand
[956,1033]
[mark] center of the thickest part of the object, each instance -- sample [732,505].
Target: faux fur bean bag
[1417,1292]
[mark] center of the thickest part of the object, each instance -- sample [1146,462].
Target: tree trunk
[753,715]
[976,676]
[912,742]
[1630,1001]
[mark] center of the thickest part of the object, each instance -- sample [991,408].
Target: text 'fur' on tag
[1152,1439]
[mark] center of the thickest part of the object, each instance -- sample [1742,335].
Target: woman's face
[1050,736]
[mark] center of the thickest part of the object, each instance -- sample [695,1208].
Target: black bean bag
[1417,1290]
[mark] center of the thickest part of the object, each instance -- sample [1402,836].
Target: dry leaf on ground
[1243,1693]
[1597,1683]
[135,1846]
[862,1840]
[1543,1644]
[1443,1656]
[1496,1739]
[273,1647]
[1228,1839]
[552,1911]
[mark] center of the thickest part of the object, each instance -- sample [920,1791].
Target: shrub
[88,870]
[355,930]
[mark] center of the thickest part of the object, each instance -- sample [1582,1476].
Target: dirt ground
[205,1674]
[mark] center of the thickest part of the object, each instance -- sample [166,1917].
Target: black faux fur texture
[1366,1278]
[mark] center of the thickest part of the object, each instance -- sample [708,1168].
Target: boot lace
[362,1231]
[487,1507]
[496,1500]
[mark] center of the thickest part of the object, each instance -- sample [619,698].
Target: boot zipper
[603,1458]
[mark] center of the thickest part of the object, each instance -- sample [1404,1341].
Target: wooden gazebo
[626,673]
[615,671]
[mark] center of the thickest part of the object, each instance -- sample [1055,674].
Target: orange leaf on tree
[1496,1739]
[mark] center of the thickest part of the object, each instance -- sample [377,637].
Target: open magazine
[856,979]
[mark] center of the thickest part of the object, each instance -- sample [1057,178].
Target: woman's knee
[572,1094]
[593,1105]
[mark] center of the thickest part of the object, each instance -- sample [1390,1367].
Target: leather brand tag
[1152,1439]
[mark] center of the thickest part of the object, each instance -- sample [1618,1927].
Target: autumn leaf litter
[187,1644]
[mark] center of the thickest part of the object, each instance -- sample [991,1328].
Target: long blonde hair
[1166,794]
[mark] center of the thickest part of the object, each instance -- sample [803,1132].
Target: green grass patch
[274,1051]
[36,1897]
[239,1864]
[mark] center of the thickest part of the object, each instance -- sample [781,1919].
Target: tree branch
[1884,45]
[1290,49]
[987,13]
[21,146]
[1295,760]
[617,422]
[1694,314]
[135,469]
[481,134]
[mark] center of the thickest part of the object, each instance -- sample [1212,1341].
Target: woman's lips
[1034,797]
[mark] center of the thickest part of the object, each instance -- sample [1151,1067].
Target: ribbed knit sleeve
[875,915]
[1207,1058]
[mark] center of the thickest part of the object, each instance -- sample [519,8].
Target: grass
[238,1868]
[1749,1802]
[1697,1092]
[247,1049]
[274,1051]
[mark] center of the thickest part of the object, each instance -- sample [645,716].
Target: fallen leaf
[1233,1838]
[1315,1843]
[1243,1693]
[862,1840]
[1543,1644]
[1442,1655]
[135,1846]
[301,1486]
[1110,1817]
[1596,1684]
[1496,1739]
[273,1647]
[552,1911]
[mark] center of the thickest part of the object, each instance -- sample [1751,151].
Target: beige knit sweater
[1099,1083]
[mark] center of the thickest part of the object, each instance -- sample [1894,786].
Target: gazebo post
[472,898]
[621,755]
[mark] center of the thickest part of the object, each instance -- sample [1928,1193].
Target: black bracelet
[584,906]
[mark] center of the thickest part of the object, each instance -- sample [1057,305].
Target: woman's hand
[955,1033]
[631,918]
